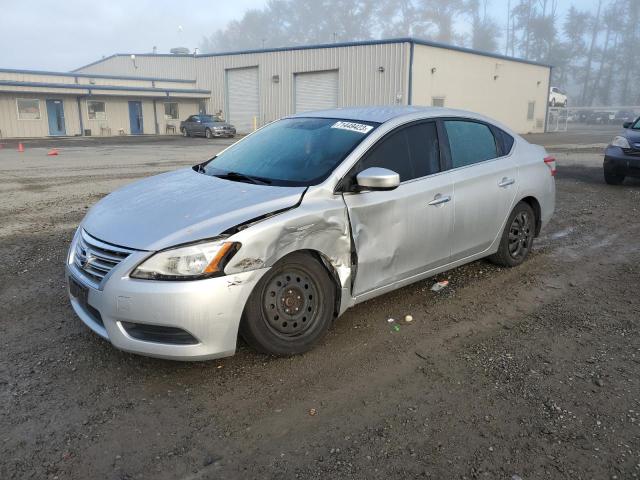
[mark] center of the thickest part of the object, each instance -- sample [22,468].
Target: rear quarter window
[505,140]
[470,142]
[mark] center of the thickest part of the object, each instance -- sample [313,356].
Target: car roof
[382,114]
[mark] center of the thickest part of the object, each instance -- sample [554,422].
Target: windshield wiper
[241,177]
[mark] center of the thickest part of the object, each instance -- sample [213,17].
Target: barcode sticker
[354,127]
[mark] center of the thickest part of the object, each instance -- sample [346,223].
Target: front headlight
[190,262]
[621,142]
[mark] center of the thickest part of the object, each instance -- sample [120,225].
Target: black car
[207,126]
[622,156]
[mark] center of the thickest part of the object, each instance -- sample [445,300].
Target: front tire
[613,179]
[208,133]
[291,308]
[517,237]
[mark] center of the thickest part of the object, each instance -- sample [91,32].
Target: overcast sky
[66,34]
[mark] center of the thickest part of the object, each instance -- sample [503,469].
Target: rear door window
[470,142]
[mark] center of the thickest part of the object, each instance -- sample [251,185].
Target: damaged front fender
[320,224]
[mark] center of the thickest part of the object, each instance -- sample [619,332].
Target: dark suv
[207,126]
[622,156]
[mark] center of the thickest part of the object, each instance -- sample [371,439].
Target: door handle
[439,200]
[505,182]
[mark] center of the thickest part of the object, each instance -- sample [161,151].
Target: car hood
[180,207]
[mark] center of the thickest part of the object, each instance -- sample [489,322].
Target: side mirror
[376,178]
[626,125]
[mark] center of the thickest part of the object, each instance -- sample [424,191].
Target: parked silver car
[283,231]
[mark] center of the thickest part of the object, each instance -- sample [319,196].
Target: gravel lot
[528,373]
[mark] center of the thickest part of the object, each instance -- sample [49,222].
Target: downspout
[155,117]
[546,102]
[410,94]
[80,115]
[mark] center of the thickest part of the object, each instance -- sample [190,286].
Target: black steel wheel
[291,307]
[517,237]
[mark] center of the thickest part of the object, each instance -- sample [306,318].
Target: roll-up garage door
[316,90]
[243,98]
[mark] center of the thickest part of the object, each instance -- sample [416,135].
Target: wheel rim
[184,132]
[208,133]
[520,235]
[290,303]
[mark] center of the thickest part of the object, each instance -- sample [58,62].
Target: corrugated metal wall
[496,87]
[116,115]
[162,66]
[11,126]
[360,81]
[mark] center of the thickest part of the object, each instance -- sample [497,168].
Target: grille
[631,151]
[95,259]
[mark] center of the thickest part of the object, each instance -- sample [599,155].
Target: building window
[531,110]
[28,108]
[437,101]
[171,111]
[96,110]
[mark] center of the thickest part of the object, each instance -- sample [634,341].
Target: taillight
[551,163]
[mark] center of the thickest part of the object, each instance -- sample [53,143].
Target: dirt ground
[524,373]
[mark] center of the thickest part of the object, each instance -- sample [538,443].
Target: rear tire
[517,237]
[613,179]
[185,132]
[291,308]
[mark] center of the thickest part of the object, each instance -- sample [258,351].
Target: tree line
[595,53]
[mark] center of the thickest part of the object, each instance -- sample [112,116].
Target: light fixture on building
[133,59]
[381,69]
[495,77]
[433,70]
[275,78]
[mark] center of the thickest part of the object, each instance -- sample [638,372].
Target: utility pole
[507,37]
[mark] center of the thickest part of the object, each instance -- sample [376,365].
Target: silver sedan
[282,232]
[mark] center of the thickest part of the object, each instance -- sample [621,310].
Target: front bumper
[617,162]
[223,133]
[209,310]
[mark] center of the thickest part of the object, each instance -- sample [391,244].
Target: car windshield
[293,151]
[209,118]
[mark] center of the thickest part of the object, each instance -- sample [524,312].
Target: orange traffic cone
[20,148]
[52,152]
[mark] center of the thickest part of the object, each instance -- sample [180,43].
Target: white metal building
[40,104]
[254,87]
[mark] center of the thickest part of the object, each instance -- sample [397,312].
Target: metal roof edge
[383,41]
[90,75]
[429,43]
[76,86]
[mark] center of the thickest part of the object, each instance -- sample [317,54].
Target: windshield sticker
[354,127]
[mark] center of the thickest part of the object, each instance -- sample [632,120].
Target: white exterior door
[243,98]
[316,91]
